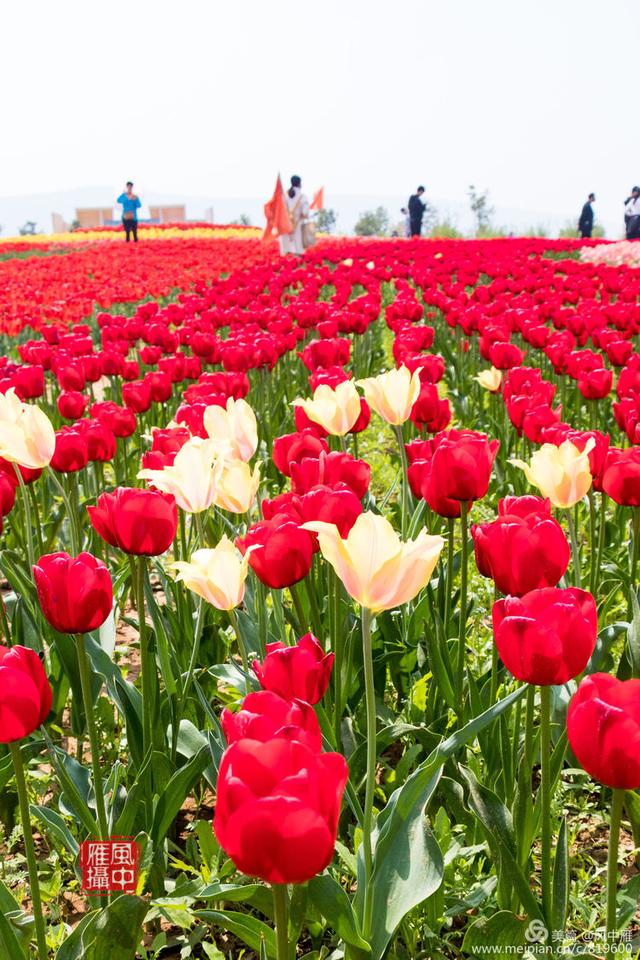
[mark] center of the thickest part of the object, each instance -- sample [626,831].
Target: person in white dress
[298,207]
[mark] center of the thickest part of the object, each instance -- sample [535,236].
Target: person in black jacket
[416,211]
[585,223]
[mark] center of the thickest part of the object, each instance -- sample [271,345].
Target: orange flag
[318,200]
[277,215]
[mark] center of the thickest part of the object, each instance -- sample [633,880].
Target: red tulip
[292,447]
[71,404]
[277,808]
[330,469]
[300,672]
[547,636]
[139,522]
[265,715]
[75,593]
[524,549]
[285,551]
[621,476]
[25,693]
[603,726]
[71,451]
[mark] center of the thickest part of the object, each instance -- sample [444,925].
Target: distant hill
[14,211]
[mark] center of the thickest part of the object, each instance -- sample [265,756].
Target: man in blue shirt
[130,205]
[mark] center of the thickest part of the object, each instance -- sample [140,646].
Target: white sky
[538,101]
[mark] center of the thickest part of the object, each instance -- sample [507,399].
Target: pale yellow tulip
[392,394]
[27,436]
[217,575]
[560,473]
[335,410]
[193,477]
[378,569]
[237,486]
[233,429]
[490,379]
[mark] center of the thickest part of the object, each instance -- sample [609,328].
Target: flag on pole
[277,215]
[318,200]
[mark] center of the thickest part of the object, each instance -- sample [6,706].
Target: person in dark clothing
[585,223]
[416,211]
[632,215]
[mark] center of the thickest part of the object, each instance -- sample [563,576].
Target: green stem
[601,538]
[337,645]
[405,481]
[300,614]
[451,527]
[617,799]
[593,572]
[241,647]
[575,551]
[370,696]
[281,917]
[87,698]
[146,665]
[635,524]
[70,513]
[545,787]
[464,507]
[24,493]
[32,864]
[194,656]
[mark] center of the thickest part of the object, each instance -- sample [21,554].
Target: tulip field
[320,620]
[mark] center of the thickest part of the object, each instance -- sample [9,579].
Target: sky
[534,101]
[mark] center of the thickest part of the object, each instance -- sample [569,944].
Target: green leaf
[56,828]
[627,901]
[496,820]
[561,880]
[502,933]
[74,780]
[9,942]
[175,793]
[407,862]
[633,635]
[118,928]
[112,933]
[330,899]
[234,892]
[249,929]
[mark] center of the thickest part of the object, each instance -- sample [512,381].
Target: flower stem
[241,647]
[545,787]
[32,864]
[281,917]
[27,517]
[617,799]
[451,526]
[87,697]
[405,481]
[464,507]
[635,523]
[370,696]
[575,552]
[301,617]
[146,664]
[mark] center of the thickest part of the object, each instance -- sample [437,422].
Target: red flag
[277,215]
[318,200]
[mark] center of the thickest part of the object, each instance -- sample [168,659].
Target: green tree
[570,229]
[372,223]
[325,221]
[481,210]
[28,229]
[445,229]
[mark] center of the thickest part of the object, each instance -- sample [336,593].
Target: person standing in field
[417,208]
[298,208]
[130,206]
[585,223]
[632,215]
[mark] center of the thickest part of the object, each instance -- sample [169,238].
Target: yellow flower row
[145,233]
